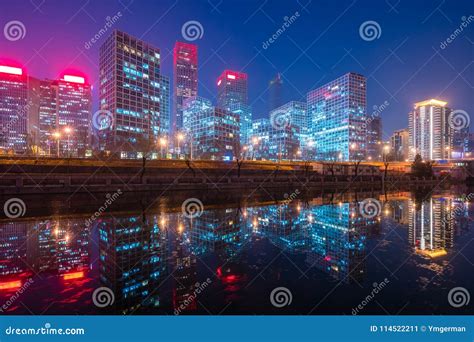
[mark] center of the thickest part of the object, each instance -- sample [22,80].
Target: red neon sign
[74,79]
[11,70]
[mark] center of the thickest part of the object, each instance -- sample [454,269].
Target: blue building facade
[338,116]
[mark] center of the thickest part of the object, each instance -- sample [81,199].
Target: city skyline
[430,74]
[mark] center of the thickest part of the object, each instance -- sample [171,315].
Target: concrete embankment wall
[67,176]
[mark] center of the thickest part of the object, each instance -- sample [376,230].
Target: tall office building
[293,114]
[374,139]
[399,143]
[430,133]
[232,95]
[74,105]
[273,143]
[460,143]
[13,109]
[130,90]
[275,98]
[185,79]
[232,88]
[245,117]
[165,106]
[60,110]
[338,114]
[42,118]
[213,132]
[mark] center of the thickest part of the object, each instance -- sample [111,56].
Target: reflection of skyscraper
[338,112]
[338,240]
[185,79]
[275,92]
[13,108]
[431,227]
[132,260]
[13,238]
[430,133]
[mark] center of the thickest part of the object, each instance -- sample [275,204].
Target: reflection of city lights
[10,285]
[245,213]
[73,275]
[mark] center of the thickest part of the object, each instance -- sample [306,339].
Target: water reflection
[153,262]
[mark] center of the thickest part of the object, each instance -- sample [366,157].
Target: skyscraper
[275,98]
[130,90]
[232,95]
[74,101]
[374,138]
[232,88]
[42,117]
[13,109]
[213,132]
[399,142]
[338,112]
[165,106]
[293,114]
[185,79]
[430,133]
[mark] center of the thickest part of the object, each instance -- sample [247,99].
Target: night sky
[404,65]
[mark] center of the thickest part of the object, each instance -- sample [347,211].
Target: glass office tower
[130,89]
[338,114]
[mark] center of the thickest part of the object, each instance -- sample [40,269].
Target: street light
[180,137]
[163,143]
[68,132]
[57,135]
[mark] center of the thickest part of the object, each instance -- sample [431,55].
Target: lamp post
[254,146]
[57,135]
[180,137]
[163,143]
[68,131]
